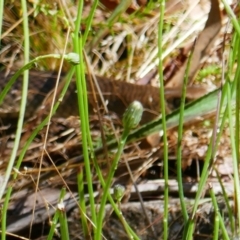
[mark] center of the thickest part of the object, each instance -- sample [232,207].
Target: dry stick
[47,130]
[219,97]
[15,24]
[94,86]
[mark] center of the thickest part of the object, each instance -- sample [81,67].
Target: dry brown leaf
[203,45]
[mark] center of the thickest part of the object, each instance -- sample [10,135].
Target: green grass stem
[21,115]
[131,119]
[83,109]
[179,144]
[164,123]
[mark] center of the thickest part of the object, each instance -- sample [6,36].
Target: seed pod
[118,192]
[132,115]
[73,58]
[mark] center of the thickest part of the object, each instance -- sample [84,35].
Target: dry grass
[126,52]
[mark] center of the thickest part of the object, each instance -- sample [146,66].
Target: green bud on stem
[118,192]
[73,58]
[132,115]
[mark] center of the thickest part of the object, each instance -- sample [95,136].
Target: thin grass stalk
[220,131]
[236,85]
[33,135]
[164,124]
[19,161]
[225,235]
[210,154]
[63,224]
[89,21]
[113,204]
[226,199]
[4,213]
[232,16]
[216,210]
[20,119]
[236,45]
[89,146]
[80,183]
[85,145]
[56,216]
[218,223]
[179,144]
[83,109]
[44,145]
[131,119]
[22,154]
[27,67]
[88,132]
[188,231]
[108,185]
[63,217]
[216,226]
[44,122]
[122,6]
[41,125]
[87,127]
[233,54]
[234,158]
[237,117]
[54,223]
[118,193]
